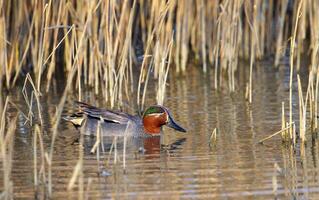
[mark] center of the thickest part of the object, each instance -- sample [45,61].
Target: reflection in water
[176,164]
[149,146]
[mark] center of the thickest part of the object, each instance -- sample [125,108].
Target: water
[187,165]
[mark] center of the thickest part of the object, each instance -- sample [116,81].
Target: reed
[124,145]
[35,159]
[88,188]
[57,117]
[6,151]
[288,127]
[302,111]
[279,39]
[35,92]
[213,137]
[40,174]
[315,102]
[212,31]
[110,152]
[95,147]
[117,34]
[75,175]
[284,134]
[163,73]
[99,44]
[274,181]
[78,174]
[292,50]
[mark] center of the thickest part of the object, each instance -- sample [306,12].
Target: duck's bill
[174,125]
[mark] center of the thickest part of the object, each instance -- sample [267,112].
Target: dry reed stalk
[316,102]
[151,34]
[75,176]
[98,138]
[163,73]
[88,188]
[314,39]
[39,175]
[284,134]
[43,45]
[6,152]
[302,112]
[311,98]
[261,26]
[80,172]
[216,51]
[203,34]
[22,46]
[117,42]
[124,58]
[5,70]
[292,48]
[230,45]
[253,45]
[186,34]
[218,29]
[145,85]
[124,144]
[279,39]
[110,152]
[35,158]
[37,95]
[100,49]
[276,133]
[52,56]
[61,105]
[213,137]
[7,148]
[57,118]
[3,120]
[78,175]
[294,136]
[30,106]
[250,95]
[301,35]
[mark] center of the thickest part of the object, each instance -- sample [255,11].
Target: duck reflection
[146,146]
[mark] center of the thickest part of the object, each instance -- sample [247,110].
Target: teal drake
[115,123]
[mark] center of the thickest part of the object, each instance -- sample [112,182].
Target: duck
[116,123]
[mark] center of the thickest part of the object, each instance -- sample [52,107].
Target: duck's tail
[76,119]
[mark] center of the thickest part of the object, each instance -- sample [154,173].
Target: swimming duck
[114,123]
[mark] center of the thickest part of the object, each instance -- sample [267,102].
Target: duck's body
[114,123]
[133,127]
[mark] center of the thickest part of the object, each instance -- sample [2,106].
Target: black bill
[171,123]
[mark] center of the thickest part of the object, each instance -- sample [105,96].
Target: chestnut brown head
[155,117]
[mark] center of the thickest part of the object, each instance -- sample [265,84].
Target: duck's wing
[106,115]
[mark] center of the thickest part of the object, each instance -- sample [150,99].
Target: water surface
[181,165]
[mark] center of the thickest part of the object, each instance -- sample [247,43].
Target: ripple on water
[187,165]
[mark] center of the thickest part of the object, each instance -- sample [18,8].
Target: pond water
[180,165]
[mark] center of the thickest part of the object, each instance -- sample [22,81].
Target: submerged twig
[278,132]
[213,136]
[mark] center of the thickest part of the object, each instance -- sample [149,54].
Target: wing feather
[107,115]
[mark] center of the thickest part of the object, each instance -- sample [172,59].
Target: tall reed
[118,34]
[292,50]
[6,151]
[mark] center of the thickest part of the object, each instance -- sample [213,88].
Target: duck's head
[155,117]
